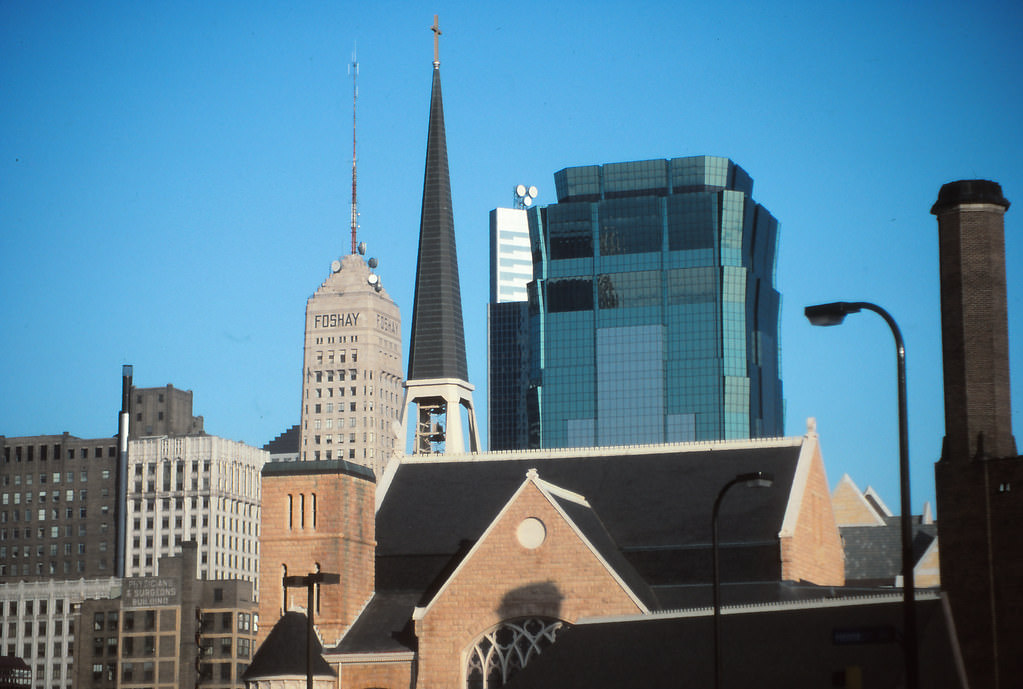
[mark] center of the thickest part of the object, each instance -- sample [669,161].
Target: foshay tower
[438,376]
[351,368]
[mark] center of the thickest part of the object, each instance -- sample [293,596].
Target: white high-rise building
[511,265]
[198,488]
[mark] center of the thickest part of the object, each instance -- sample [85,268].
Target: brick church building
[457,571]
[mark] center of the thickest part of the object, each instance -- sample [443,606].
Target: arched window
[501,652]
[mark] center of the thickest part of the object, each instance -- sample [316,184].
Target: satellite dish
[373,263]
[362,248]
[520,190]
[335,266]
[372,279]
[532,192]
[527,201]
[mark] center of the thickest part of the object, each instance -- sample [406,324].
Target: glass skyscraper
[652,313]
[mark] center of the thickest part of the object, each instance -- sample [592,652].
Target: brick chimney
[974,320]
[979,479]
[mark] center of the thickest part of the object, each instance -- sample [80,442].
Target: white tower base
[438,417]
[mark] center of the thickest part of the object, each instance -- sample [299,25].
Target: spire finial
[436,42]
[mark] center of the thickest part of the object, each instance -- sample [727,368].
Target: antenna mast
[354,70]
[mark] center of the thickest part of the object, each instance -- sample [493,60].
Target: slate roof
[437,345]
[873,554]
[284,652]
[587,521]
[654,505]
[697,596]
[775,647]
[385,625]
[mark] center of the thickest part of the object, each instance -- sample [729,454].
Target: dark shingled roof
[437,346]
[284,652]
[385,626]
[812,646]
[655,507]
[873,554]
[594,531]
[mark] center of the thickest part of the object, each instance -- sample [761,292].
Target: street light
[833,314]
[309,581]
[756,479]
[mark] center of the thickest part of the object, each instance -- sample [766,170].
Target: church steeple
[437,371]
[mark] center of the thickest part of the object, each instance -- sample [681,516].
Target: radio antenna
[353,69]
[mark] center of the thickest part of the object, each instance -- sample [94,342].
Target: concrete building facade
[38,625]
[199,488]
[351,369]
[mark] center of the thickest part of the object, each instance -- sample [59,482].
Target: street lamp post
[833,314]
[754,479]
[309,581]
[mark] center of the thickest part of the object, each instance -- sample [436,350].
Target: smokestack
[974,320]
[121,506]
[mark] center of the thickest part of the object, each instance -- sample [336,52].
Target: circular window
[531,533]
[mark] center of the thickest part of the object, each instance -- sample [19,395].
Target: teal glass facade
[653,315]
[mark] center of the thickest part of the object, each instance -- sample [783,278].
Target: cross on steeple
[436,41]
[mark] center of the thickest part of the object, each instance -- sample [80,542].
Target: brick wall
[982,563]
[975,329]
[392,675]
[501,579]
[812,550]
[335,530]
[851,508]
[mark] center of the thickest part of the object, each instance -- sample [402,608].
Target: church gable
[811,547]
[852,508]
[534,566]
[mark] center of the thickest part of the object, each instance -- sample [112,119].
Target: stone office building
[351,371]
[167,631]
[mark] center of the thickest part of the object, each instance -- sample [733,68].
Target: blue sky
[175,181]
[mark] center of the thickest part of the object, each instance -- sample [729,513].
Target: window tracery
[507,648]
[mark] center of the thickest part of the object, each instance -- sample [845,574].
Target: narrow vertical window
[314,510]
[301,510]
[291,511]
[284,588]
[317,591]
